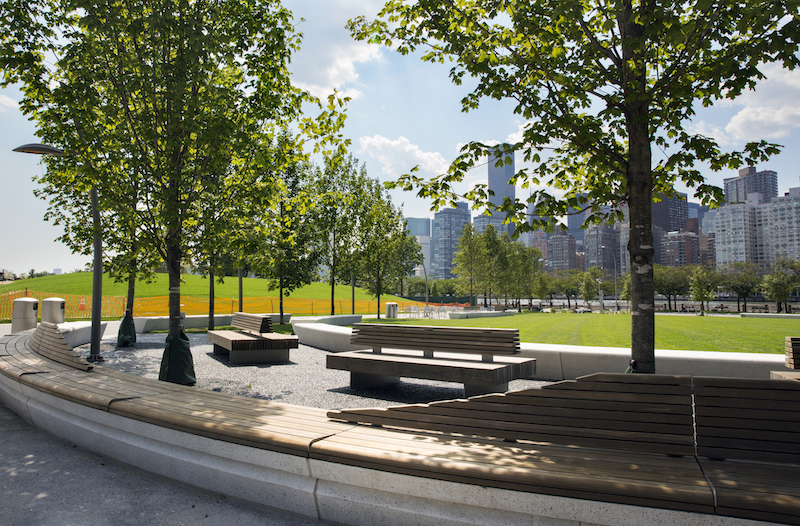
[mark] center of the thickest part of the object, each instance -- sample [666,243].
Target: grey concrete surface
[45,481]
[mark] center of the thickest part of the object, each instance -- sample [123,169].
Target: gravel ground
[303,381]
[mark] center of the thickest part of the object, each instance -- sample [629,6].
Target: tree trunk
[211,300]
[638,173]
[379,295]
[174,255]
[241,296]
[280,302]
[131,293]
[352,292]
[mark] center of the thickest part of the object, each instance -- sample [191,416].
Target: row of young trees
[495,266]
[741,278]
[183,118]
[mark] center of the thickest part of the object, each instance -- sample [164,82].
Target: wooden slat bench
[755,426]
[650,414]
[255,342]
[489,374]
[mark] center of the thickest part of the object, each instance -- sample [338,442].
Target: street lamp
[97,281]
[616,299]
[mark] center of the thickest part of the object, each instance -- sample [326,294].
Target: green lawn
[698,333]
[81,284]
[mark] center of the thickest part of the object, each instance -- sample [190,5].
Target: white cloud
[7,103]
[399,156]
[516,136]
[709,130]
[769,112]
[328,56]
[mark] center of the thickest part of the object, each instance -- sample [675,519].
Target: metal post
[97,282]
[97,278]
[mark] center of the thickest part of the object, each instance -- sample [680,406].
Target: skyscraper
[419,226]
[499,177]
[447,225]
[750,181]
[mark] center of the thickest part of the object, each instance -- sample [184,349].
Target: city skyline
[403,113]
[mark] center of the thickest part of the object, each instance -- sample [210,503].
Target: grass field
[697,333]
[196,286]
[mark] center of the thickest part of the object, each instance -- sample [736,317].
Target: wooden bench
[753,424]
[640,413]
[489,374]
[255,342]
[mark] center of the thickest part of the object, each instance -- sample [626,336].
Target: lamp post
[97,277]
[616,299]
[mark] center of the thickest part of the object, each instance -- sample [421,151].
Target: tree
[467,260]
[289,254]
[546,287]
[599,83]
[590,288]
[671,282]
[569,284]
[180,90]
[340,197]
[489,268]
[526,268]
[382,234]
[741,278]
[703,286]
[781,281]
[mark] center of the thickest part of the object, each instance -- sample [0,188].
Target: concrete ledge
[478,314]
[79,332]
[765,315]
[323,336]
[567,362]
[338,319]
[161,323]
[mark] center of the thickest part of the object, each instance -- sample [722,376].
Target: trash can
[391,309]
[53,310]
[23,317]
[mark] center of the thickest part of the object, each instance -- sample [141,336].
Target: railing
[76,306]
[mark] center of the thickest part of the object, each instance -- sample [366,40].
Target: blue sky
[403,113]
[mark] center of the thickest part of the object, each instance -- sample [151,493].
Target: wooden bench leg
[365,380]
[220,350]
[479,389]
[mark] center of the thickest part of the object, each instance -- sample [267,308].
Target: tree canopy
[600,83]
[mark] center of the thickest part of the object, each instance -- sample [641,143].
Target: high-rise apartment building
[561,252]
[736,237]
[749,182]
[499,177]
[778,229]
[447,226]
[679,249]
[601,247]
